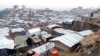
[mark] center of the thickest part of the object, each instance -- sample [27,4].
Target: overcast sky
[53,4]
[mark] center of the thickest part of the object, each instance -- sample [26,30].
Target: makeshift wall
[89,40]
[95,23]
[61,46]
[79,26]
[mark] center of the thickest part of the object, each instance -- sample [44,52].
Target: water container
[36,54]
[54,53]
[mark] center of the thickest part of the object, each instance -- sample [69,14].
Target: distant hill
[4,12]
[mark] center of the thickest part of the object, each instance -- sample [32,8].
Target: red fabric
[27,27]
[36,54]
[54,53]
[12,36]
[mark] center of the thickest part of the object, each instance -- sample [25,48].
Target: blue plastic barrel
[23,32]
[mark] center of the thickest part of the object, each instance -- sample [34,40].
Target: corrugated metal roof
[69,39]
[85,32]
[44,48]
[64,31]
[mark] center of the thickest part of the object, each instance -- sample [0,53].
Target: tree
[15,6]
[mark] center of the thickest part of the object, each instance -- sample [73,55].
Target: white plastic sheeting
[96,15]
[64,31]
[44,48]
[85,32]
[35,31]
[17,29]
[69,20]
[69,39]
[4,31]
[6,43]
[2,37]
[53,25]
[45,35]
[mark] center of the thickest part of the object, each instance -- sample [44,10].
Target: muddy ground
[94,52]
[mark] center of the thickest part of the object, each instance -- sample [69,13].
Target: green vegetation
[4,12]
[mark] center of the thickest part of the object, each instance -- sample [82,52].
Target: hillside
[4,12]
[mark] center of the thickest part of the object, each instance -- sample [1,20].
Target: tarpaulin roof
[68,20]
[44,48]
[35,31]
[4,31]
[85,32]
[64,31]
[6,43]
[51,26]
[17,29]
[69,39]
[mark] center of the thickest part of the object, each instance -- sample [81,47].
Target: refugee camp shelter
[85,32]
[63,31]
[36,40]
[52,26]
[18,31]
[6,43]
[42,50]
[45,36]
[4,31]
[35,31]
[66,42]
[67,23]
